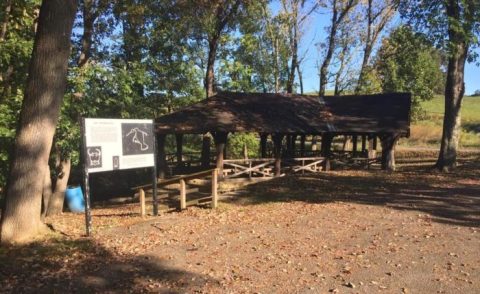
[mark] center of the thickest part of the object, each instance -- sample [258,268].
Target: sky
[315,32]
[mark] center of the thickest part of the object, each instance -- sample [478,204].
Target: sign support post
[154,171]
[86,185]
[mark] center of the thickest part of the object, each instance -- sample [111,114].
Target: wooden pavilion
[285,117]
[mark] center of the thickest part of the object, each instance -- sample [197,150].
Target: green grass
[470,108]
[427,132]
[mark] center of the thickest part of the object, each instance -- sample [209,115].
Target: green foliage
[256,58]
[372,82]
[430,16]
[15,52]
[236,143]
[407,62]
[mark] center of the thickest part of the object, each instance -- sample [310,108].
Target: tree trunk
[6,11]
[263,145]
[326,150]
[300,78]
[341,67]
[454,91]
[179,153]
[220,143]
[210,75]
[205,151]
[388,151]
[330,50]
[89,17]
[40,109]
[363,68]
[373,32]
[56,201]
[47,192]
[294,44]
[277,151]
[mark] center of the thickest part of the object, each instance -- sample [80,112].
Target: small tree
[408,62]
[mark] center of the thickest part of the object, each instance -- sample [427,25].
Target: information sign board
[112,144]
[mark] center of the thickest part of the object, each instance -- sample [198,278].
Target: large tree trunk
[330,50]
[47,192]
[388,151]
[294,45]
[56,201]
[40,109]
[210,75]
[454,90]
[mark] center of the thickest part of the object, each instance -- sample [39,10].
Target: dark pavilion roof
[292,114]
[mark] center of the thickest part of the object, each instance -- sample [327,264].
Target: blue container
[75,200]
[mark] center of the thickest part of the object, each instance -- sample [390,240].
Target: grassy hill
[428,132]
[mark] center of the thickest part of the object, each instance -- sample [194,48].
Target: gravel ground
[414,231]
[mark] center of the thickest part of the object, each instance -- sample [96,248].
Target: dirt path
[341,232]
[314,248]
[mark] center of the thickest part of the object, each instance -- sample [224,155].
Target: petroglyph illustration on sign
[94,156]
[137,138]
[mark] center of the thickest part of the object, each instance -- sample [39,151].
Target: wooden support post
[245,151]
[327,140]
[183,195]
[364,144]
[179,140]
[372,153]
[205,151]
[347,142]
[293,146]
[388,151]
[302,145]
[314,143]
[215,188]
[263,145]
[375,142]
[225,149]
[220,139]
[161,160]
[141,195]
[288,149]
[355,145]
[277,151]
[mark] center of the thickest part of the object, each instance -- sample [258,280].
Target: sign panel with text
[112,144]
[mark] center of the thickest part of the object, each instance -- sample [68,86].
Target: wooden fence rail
[181,180]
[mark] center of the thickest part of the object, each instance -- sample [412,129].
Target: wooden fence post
[183,195]
[141,194]
[215,188]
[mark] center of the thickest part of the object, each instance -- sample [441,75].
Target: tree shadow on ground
[81,265]
[473,127]
[452,198]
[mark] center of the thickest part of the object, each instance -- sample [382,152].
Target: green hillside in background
[428,131]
